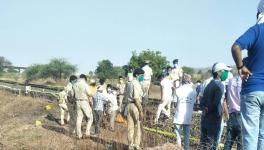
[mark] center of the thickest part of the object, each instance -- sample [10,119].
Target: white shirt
[112,102]
[166,85]
[186,98]
[148,72]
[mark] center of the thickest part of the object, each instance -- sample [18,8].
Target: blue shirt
[253,41]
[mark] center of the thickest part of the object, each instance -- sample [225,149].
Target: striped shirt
[99,100]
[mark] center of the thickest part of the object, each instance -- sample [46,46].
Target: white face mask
[260,18]
[114,92]
[108,90]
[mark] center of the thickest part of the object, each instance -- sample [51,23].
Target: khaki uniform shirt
[81,90]
[134,90]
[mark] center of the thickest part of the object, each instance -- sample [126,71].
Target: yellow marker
[38,123]
[48,107]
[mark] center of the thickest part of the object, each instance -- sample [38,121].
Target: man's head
[146,62]
[101,81]
[92,82]
[169,69]
[175,61]
[186,78]
[121,80]
[139,74]
[83,76]
[73,78]
[261,6]
[220,71]
[260,12]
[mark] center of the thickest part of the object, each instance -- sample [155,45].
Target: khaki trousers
[133,125]
[63,108]
[83,108]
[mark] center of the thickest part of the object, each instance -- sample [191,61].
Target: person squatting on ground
[212,107]
[83,105]
[135,112]
[234,124]
[166,97]
[186,97]
[99,99]
[252,74]
[147,81]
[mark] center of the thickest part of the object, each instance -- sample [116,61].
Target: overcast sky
[198,32]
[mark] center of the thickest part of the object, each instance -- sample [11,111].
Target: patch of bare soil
[18,131]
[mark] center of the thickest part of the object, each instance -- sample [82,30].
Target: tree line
[60,68]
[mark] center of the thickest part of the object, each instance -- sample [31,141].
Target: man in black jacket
[212,106]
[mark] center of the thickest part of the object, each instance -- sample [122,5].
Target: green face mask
[141,78]
[224,75]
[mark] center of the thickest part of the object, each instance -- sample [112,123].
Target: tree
[157,61]
[188,70]
[4,62]
[34,71]
[58,68]
[104,69]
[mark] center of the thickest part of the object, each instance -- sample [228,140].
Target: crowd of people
[219,98]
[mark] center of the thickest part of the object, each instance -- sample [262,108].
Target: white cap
[220,66]
[261,6]
[92,81]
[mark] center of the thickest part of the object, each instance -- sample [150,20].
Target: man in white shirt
[113,107]
[147,81]
[83,101]
[166,97]
[186,97]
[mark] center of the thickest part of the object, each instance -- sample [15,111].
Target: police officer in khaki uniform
[63,106]
[71,104]
[83,105]
[135,112]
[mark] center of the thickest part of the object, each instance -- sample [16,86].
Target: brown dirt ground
[18,131]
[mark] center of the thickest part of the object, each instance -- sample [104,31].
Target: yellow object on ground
[38,123]
[48,107]
[120,119]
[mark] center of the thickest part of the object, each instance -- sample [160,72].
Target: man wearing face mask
[135,112]
[176,72]
[212,106]
[147,81]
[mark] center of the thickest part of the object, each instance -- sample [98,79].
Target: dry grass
[18,130]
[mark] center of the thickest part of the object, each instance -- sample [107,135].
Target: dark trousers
[209,134]
[234,129]
[98,116]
